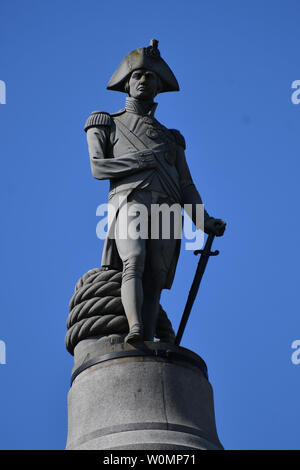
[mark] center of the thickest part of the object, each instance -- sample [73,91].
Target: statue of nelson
[146,164]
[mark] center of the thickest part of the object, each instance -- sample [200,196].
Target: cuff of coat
[146,159]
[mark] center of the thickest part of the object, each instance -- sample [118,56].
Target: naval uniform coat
[135,152]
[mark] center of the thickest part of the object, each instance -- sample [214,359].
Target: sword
[205,254]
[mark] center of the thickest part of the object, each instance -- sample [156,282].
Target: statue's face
[143,84]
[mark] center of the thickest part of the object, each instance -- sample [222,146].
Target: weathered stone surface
[141,402]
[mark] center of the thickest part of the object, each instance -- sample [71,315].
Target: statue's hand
[215,226]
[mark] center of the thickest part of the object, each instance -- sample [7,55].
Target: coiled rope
[96,309]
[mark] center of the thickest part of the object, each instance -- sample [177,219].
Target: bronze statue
[146,164]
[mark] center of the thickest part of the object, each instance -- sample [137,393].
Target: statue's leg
[132,253]
[159,258]
[151,304]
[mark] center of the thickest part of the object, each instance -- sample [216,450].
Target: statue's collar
[140,107]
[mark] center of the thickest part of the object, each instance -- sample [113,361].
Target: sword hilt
[208,253]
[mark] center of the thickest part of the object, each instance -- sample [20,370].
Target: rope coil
[96,309]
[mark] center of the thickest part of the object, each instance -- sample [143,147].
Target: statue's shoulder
[119,113]
[180,140]
[98,118]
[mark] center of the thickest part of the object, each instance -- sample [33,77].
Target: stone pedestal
[155,396]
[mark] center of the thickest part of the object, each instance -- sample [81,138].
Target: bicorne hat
[144,58]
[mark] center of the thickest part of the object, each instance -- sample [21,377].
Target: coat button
[152,133]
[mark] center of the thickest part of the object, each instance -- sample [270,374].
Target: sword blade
[205,254]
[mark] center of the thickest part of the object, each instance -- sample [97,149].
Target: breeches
[145,257]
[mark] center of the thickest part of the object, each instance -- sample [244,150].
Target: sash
[163,171]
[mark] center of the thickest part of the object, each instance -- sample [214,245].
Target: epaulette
[97,118]
[180,140]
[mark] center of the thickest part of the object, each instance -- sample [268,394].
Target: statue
[127,390]
[146,164]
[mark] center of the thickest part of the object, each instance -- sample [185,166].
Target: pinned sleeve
[98,128]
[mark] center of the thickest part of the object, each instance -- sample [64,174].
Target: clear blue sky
[235,62]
